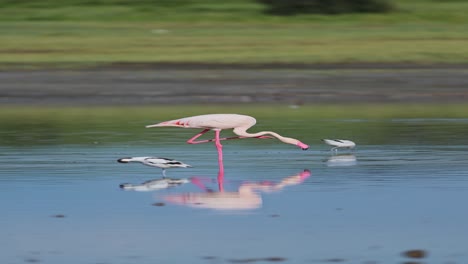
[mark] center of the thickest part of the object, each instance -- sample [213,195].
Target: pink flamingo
[218,122]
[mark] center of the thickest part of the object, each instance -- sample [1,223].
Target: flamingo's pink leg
[221,181]
[192,140]
[219,147]
[198,182]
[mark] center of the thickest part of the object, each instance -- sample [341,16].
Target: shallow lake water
[402,190]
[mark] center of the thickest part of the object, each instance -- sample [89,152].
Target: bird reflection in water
[246,197]
[153,185]
[341,160]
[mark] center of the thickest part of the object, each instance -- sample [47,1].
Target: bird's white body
[153,185]
[162,163]
[339,143]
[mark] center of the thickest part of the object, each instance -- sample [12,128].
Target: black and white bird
[162,163]
[339,143]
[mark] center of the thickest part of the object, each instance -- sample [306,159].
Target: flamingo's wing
[210,121]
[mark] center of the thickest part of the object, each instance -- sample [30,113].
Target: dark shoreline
[8,67]
[173,83]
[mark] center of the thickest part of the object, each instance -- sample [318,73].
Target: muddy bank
[141,84]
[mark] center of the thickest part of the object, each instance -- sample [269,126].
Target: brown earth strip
[137,84]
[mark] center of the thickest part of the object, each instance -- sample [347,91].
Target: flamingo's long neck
[241,131]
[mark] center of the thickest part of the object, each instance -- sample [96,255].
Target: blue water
[61,203]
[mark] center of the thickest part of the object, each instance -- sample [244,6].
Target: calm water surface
[398,191]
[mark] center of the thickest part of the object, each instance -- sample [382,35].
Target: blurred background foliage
[71,33]
[281,7]
[235,10]
[67,33]
[292,7]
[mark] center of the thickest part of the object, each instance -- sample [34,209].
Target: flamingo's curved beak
[302,146]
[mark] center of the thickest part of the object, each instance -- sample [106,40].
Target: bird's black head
[124,185]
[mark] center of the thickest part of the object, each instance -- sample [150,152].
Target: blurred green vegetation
[431,11]
[33,126]
[293,7]
[100,32]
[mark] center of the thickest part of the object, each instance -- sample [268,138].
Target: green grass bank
[78,33]
[77,116]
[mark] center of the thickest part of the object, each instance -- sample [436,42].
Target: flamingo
[218,122]
[246,197]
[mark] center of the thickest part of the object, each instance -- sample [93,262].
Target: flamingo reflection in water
[247,196]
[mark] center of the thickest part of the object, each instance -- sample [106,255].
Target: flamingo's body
[218,122]
[339,143]
[162,163]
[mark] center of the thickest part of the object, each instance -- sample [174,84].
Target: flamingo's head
[302,145]
[294,142]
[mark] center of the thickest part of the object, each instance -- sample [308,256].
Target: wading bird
[218,122]
[339,143]
[162,163]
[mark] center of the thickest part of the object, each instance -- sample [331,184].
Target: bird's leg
[221,181]
[198,183]
[241,137]
[219,147]
[192,140]
[229,138]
